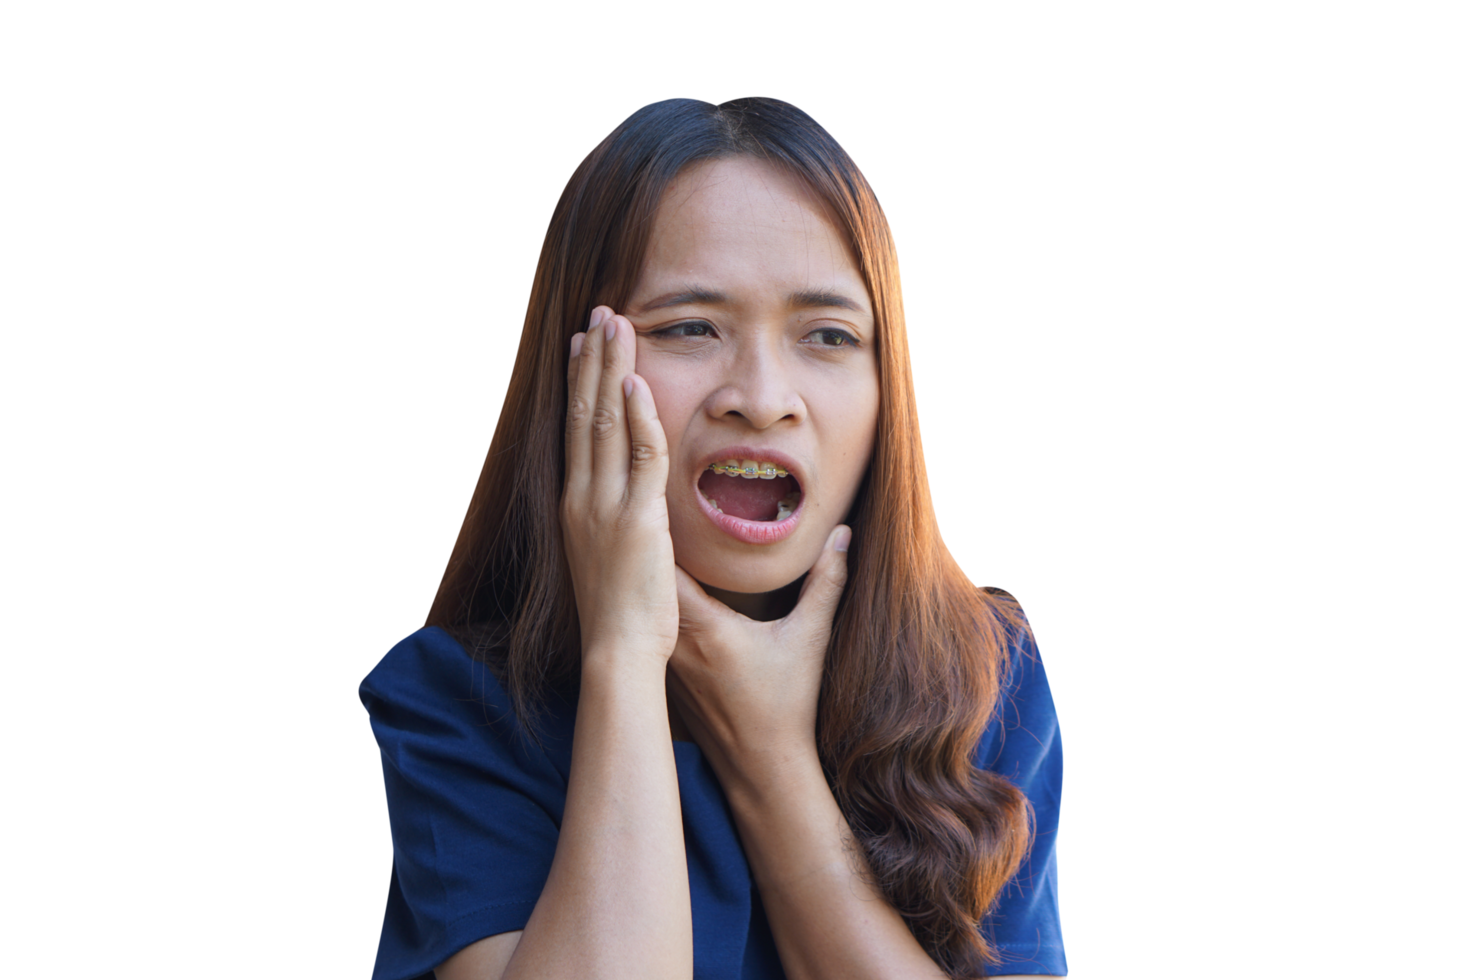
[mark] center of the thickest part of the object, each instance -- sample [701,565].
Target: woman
[702,690]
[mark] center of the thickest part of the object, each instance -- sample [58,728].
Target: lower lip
[750,532]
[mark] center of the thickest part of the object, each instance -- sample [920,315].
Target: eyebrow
[804,299]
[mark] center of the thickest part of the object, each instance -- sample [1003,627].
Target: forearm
[616,903]
[828,919]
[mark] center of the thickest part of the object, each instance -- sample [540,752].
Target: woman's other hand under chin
[747,690]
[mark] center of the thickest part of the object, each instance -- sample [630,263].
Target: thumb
[817,603]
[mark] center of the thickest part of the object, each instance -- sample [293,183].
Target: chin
[748,573]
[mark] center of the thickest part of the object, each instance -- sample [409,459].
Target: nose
[758,388]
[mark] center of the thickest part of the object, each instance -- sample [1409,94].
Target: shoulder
[1010,633]
[427,692]
[428,663]
[1023,733]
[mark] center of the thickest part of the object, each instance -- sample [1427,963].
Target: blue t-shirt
[475,806]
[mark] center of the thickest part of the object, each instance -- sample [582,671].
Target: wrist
[774,773]
[629,672]
[617,657]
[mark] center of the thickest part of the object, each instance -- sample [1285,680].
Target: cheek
[854,466]
[849,433]
[676,403]
[672,390]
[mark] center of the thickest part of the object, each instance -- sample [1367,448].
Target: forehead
[742,222]
[742,187]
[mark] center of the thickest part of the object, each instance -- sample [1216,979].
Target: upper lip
[751,452]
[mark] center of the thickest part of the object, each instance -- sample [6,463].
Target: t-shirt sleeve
[1024,745]
[474,804]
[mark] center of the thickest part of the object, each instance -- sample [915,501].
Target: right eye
[689,328]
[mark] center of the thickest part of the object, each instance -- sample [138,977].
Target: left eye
[829,337]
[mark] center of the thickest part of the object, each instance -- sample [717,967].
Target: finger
[582,381]
[575,360]
[610,462]
[823,587]
[574,364]
[648,447]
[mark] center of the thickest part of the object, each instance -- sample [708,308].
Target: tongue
[751,500]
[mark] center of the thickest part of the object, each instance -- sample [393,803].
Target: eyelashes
[826,337]
[689,328]
[833,337]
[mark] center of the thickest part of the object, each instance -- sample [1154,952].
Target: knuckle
[577,412]
[645,452]
[604,422]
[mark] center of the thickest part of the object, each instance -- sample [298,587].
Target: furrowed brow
[802,300]
[688,295]
[810,298]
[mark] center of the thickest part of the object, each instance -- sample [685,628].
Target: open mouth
[750,489]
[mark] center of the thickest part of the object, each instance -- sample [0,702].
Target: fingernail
[844,538]
[612,327]
[577,339]
[628,386]
[598,315]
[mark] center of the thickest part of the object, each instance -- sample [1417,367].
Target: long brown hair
[918,655]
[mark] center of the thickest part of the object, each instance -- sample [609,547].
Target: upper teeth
[750,469]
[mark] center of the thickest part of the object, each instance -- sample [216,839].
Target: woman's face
[756,336]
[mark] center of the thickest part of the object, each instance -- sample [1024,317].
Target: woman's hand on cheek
[614,515]
[748,690]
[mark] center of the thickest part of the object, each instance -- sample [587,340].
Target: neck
[760,606]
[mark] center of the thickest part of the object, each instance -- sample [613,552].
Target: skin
[779,355]
[750,325]
[753,369]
